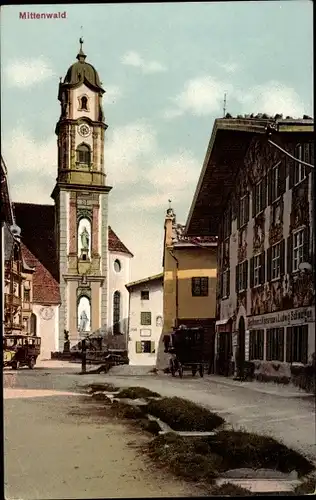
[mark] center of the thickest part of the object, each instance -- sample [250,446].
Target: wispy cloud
[28,72]
[230,67]
[126,149]
[271,97]
[134,59]
[201,96]
[112,94]
[33,161]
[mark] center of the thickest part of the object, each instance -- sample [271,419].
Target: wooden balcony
[12,300]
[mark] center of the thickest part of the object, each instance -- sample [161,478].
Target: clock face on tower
[84,130]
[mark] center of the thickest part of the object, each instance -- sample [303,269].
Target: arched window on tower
[83,154]
[83,103]
[116,312]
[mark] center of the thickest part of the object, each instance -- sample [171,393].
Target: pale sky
[166,68]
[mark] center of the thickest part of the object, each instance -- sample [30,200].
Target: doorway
[240,355]
[224,353]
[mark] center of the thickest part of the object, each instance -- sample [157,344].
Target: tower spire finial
[81,55]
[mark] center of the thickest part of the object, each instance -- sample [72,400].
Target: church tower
[81,203]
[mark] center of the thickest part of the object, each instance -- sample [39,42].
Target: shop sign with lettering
[291,317]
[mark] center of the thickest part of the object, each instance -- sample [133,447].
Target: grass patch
[137,393]
[242,449]
[101,397]
[183,457]
[231,490]
[125,411]
[205,458]
[183,415]
[103,387]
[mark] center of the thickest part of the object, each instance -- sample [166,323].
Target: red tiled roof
[116,245]
[45,286]
[37,223]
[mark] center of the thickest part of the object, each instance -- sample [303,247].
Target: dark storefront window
[297,344]
[275,344]
[256,344]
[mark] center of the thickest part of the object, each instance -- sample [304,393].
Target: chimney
[169,223]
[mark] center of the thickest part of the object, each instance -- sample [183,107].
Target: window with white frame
[257,270]
[258,201]
[242,276]
[275,261]
[298,249]
[299,168]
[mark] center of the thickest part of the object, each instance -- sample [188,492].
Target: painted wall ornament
[259,154]
[242,245]
[259,234]
[276,222]
[300,206]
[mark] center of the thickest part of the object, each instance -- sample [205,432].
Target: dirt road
[55,448]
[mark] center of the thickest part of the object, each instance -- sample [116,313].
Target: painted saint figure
[83,321]
[85,239]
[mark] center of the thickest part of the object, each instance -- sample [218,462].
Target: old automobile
[20,350]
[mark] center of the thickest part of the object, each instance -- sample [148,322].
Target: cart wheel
[194,370]
[15,365]
[172,370]
[32,363]
[201,370]
[180,369]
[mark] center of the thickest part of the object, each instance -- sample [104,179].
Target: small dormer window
[83,103]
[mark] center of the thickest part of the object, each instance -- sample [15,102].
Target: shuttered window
[145,347]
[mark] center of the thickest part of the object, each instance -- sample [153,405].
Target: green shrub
[136,393]
[183,415]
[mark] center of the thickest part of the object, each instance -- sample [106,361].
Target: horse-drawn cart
[186,349]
